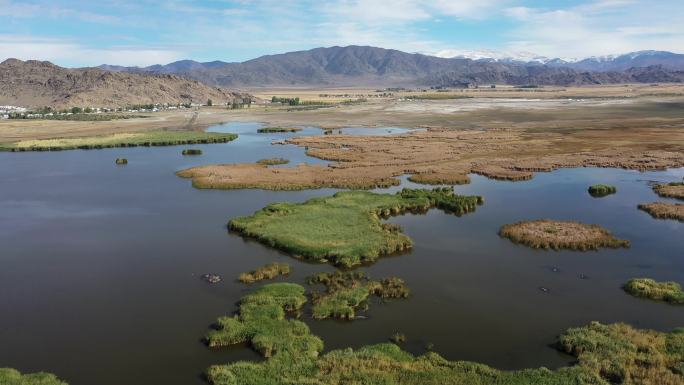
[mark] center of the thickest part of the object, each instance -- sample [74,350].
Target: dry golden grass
[670,190]
[549,234]
[662,210]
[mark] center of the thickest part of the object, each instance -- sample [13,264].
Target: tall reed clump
[550,234]
[670,190]
[345,229]
[347,291]
[10,376]
[273,161]
[269,271]
[192,151]
[267,130]
[605,354]
[662,210]
[261,322]
[121,161]
[601,190]
[670,292]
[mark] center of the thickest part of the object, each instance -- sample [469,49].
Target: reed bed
[670,190]
[121,161]
[345,229]
[10,376]
[345,292]
[272,161]
[147,139]
[662,210]
[601,190]
[670,292]
[550,234]
[268,130]
[269,271]
[192,151]
[437,178]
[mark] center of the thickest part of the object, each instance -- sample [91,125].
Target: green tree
[210,102]
[76,110]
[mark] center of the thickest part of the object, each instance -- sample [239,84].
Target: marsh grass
[670,190]
[10,376]
[398,338]
[670,292]
[345,229]
[269,271]
[550,234]
[601,190]
[192,151]
[273,161]
[346,291]
[121,161]
[436,178]
[614,354]
[661,210]
[267,130]
[150,138]
[261,322]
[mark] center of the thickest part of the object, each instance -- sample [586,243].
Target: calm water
[100,265]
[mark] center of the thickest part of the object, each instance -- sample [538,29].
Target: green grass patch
[670,292]
[346,229]
[151,138]
[268,130]
[606,355]
[261,322]
[601,190]
[273,161]
[269,271]
[192,151]
[13,377]
[345,292]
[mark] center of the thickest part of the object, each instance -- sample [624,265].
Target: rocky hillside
[38,83]
[371,66]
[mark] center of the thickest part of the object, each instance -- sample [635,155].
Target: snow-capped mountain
[604,63]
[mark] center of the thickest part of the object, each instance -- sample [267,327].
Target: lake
[101,264]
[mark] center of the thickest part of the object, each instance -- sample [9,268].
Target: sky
[142,32]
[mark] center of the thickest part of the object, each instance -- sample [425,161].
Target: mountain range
[372,66]
[40,83]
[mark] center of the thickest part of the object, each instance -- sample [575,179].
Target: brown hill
[40,83]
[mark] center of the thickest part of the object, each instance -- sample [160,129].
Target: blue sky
[86,33]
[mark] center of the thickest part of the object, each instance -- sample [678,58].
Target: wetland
[142,282]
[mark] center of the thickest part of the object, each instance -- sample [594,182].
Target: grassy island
[346,291]
[550,234]
[601,190]
[121,161]
[670,190]
[192,151]
[269,271]
[150,138]
[269,130]
[13,377]
[662,210]
[346,229]
[660,291]
[273,161]
[606,354]
[261,322]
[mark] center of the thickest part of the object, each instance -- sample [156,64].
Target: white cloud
[68,53]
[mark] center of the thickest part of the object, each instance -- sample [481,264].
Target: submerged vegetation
[273,161]
[121,161]
[267,130]
[347,291]
[269,271]
[13,377]
[601,190]
[606,354]
[550,234]
[346,229]
[660,291]
[150,138]
[192,151]
[670,190]
[662,210]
